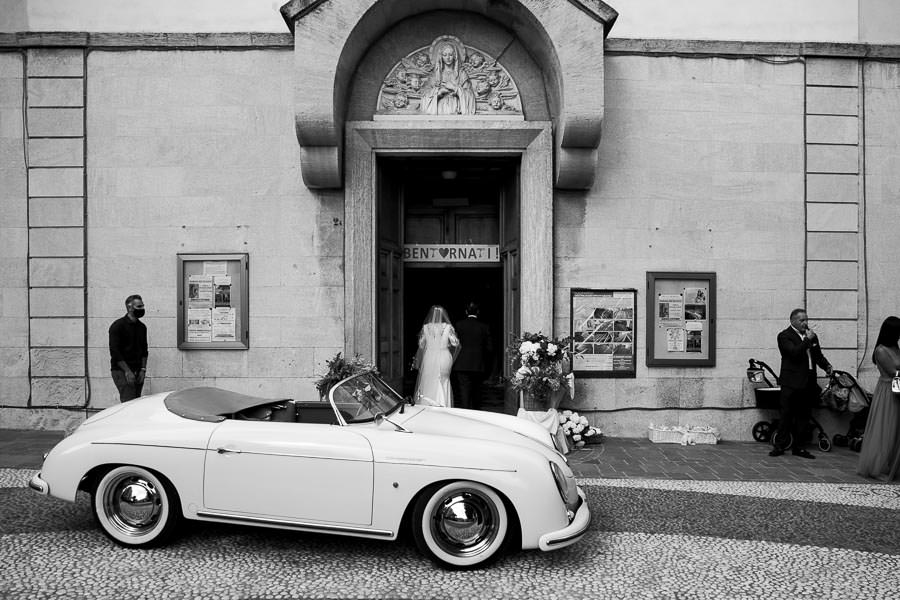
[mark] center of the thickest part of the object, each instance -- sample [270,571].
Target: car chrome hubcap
[132,504]
[464,523]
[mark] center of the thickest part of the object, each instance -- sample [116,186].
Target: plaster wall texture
[701,169]
[195,152]
[882,200]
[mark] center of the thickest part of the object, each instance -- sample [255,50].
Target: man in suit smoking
[800,355]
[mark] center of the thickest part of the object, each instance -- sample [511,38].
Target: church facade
[278,198]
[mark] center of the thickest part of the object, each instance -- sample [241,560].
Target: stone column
[55,83]
[833,204]
[14,384]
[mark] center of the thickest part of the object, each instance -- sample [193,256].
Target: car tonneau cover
[211,404]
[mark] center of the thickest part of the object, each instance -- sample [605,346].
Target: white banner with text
[456,253]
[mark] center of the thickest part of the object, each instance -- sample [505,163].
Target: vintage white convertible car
[366,463]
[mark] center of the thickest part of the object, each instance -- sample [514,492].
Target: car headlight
[560,480]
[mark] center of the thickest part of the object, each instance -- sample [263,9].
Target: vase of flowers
[540,366]
[340,368]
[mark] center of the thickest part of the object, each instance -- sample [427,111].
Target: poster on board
[603,332]
[213,293]
[682,319]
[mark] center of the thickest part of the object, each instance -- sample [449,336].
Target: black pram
[769,396]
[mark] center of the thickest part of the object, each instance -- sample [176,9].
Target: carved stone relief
[448,78]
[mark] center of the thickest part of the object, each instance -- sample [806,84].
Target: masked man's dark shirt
[127,342]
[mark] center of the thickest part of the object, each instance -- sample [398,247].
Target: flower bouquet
[340,368]
[577,429]
[540,365]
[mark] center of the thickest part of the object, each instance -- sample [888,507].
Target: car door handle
[222,450]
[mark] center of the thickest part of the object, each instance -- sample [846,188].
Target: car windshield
[361,397]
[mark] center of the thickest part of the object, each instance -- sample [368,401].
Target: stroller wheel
[839,440]
[762,431]
[856,444]
[782,441]
[824,443]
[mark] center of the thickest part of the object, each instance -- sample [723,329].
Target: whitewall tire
[135,507]
[460,525]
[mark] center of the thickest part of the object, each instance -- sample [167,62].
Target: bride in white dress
[438,347]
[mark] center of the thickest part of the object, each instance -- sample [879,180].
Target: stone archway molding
[565,37]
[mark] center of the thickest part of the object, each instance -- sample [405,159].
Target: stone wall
[738,166]
[195,152]
[881,213]
[749,168]
[186,152]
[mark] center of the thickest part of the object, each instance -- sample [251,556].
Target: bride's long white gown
[433,385]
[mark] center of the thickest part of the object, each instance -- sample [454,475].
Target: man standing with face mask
[128,350]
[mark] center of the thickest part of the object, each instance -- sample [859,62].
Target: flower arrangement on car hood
[540,363]
[578,430]
[340,368]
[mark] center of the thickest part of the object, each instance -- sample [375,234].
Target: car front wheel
[135,507]
[460,525]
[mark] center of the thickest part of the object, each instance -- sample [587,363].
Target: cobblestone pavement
[650,538]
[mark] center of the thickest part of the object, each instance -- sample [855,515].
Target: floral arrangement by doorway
[540,364]
[340,368]
[578,430]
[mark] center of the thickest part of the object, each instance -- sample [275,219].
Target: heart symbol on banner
[443,252]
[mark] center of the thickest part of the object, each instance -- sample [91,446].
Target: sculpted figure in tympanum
[449,79]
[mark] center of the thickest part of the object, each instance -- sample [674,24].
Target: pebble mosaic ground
[649,539]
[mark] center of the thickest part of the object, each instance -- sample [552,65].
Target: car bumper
[39,485]
[571,534]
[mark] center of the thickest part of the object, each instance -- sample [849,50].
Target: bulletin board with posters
[603,332]
[213,293]
[681,316]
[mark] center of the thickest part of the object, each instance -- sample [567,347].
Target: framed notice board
[213,294]
[603,332]
[681,319]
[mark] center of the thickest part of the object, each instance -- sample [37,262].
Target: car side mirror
[380,418]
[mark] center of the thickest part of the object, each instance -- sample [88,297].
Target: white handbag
[895,383]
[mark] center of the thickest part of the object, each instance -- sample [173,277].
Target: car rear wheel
[135,507]
[460,525]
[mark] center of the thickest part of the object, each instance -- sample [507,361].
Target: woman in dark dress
[880,454]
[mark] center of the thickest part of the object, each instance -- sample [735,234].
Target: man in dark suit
[800,354]
[472,363]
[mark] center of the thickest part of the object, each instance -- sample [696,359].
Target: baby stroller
[842,394]
[769,397]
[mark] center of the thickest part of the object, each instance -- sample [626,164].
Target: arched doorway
[361,100]
[374,269]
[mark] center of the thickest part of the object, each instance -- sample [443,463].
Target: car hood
[474,424]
